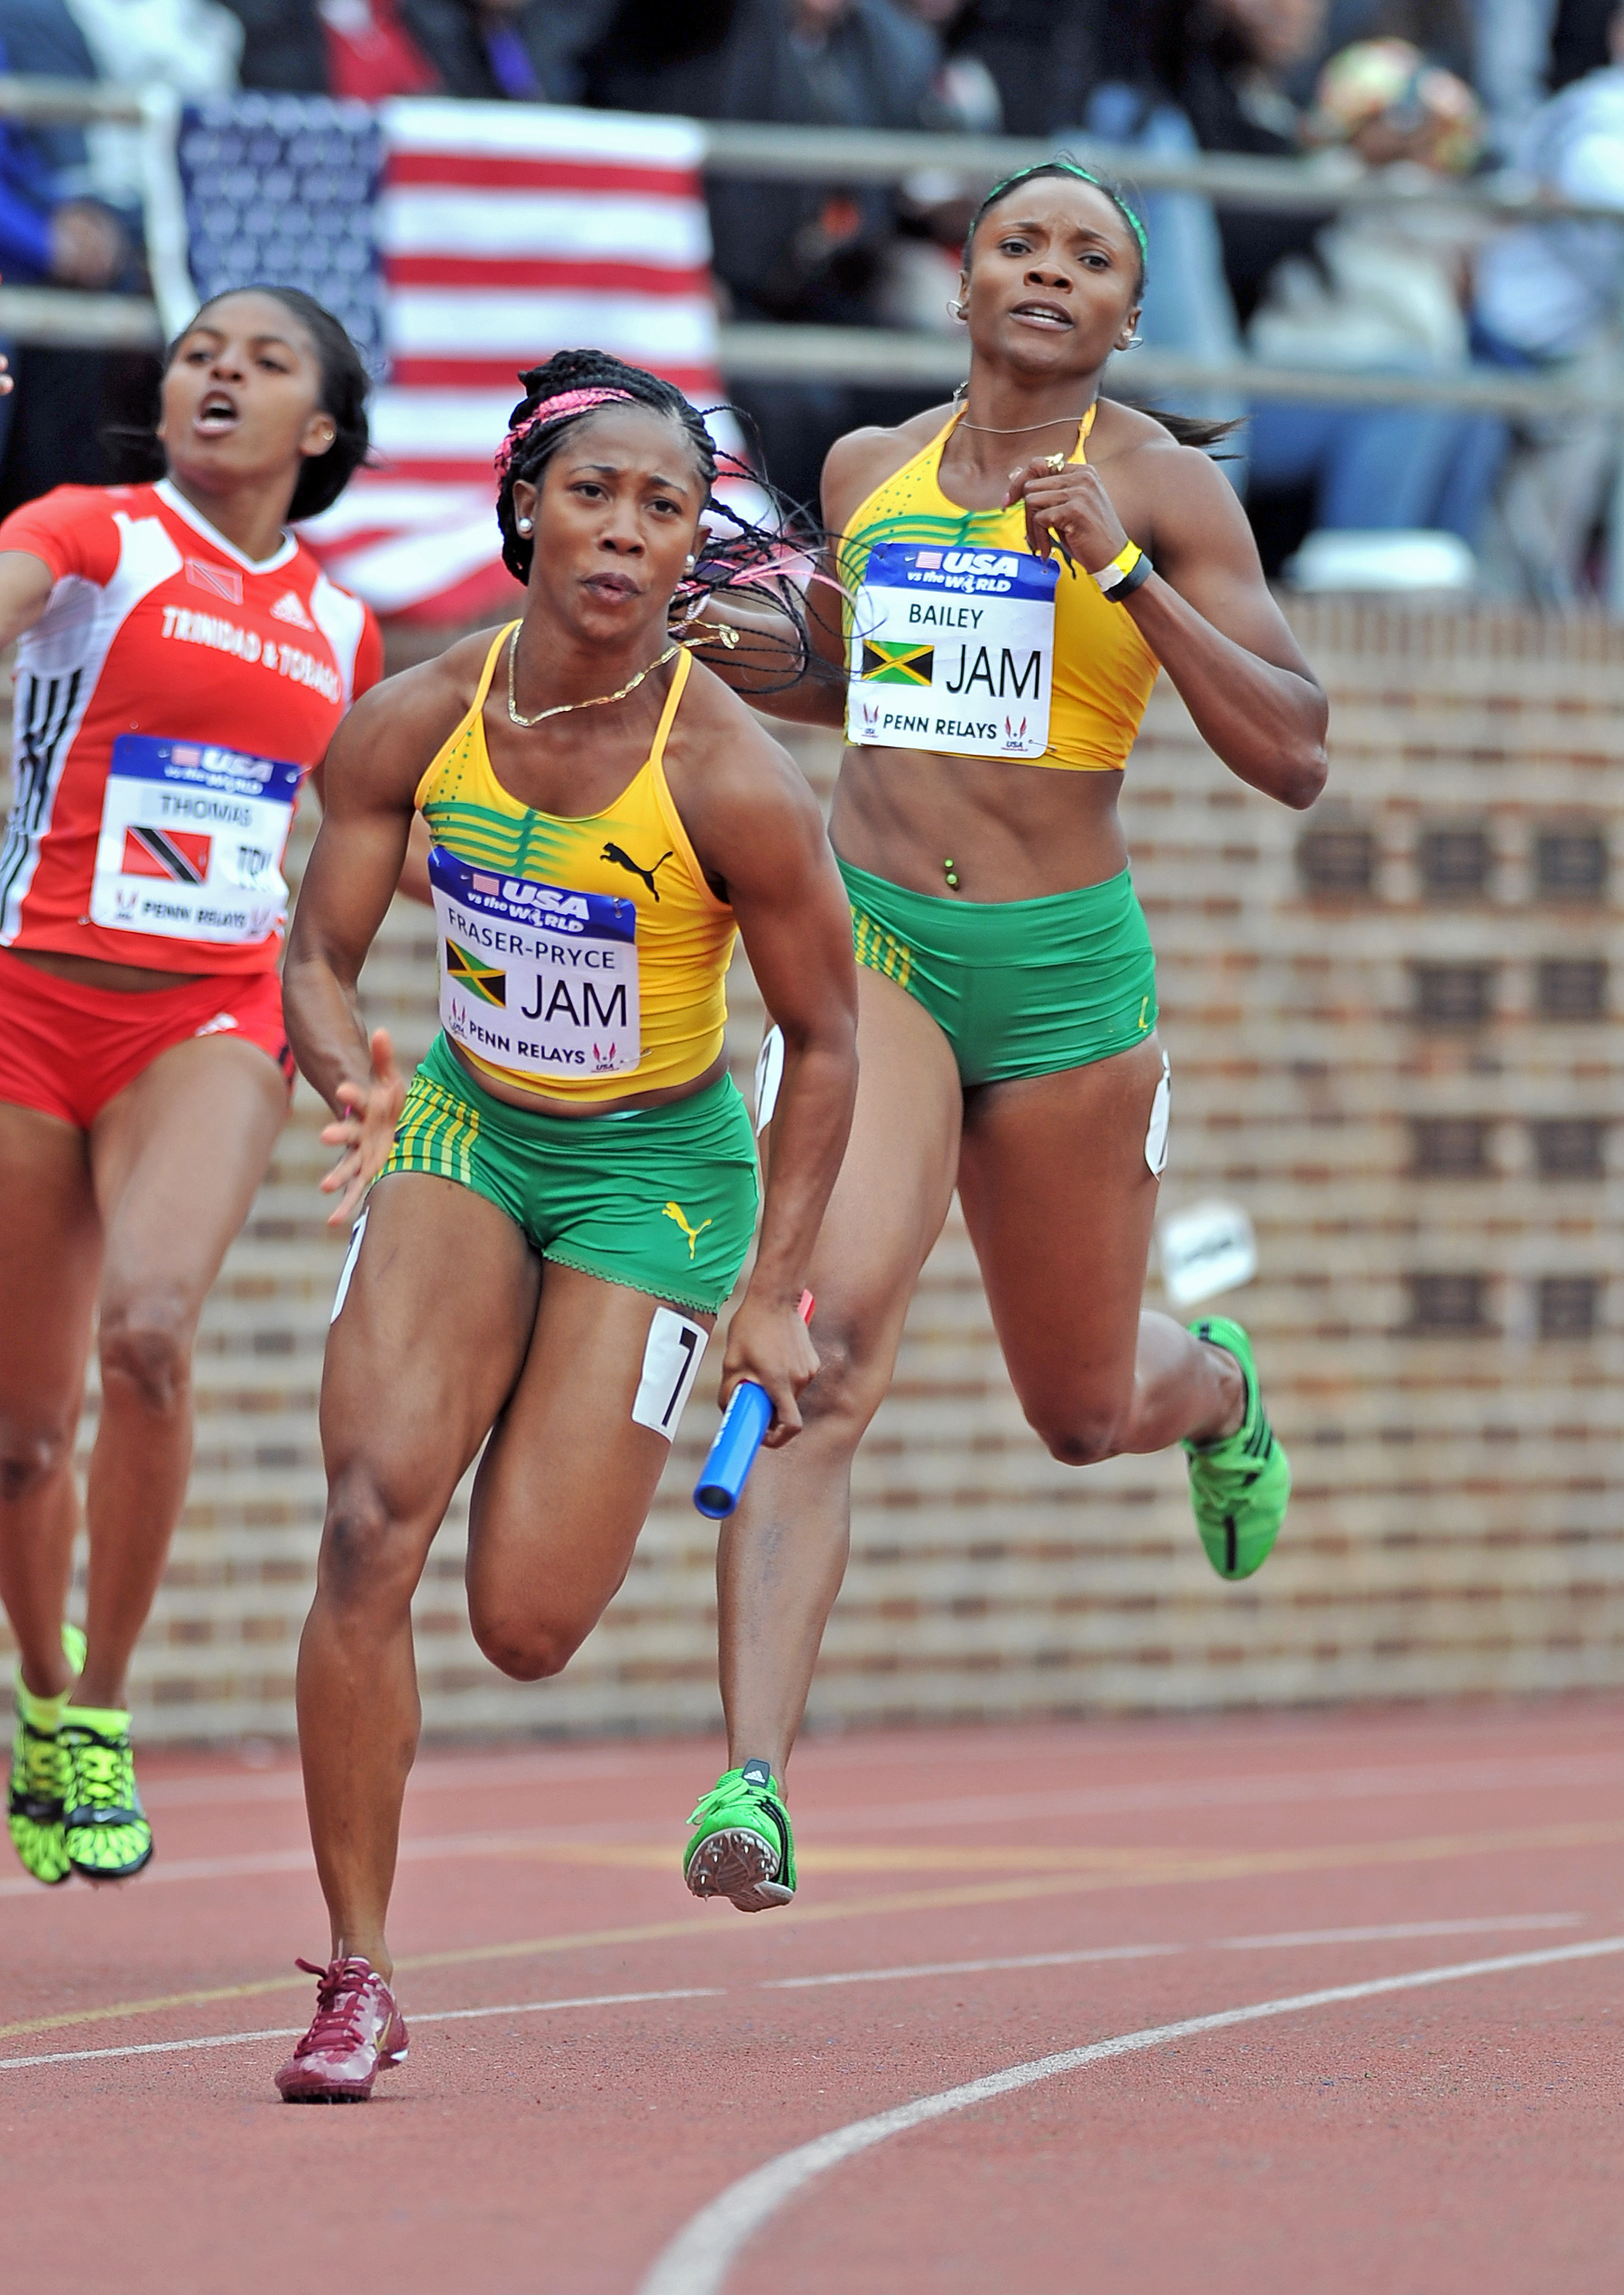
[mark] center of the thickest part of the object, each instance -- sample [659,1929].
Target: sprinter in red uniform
[182,663]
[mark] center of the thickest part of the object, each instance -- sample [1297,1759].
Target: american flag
[498,234]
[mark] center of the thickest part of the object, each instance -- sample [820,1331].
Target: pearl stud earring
[526,525]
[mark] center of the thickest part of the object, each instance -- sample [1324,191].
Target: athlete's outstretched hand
[768,1342]
[367,1132]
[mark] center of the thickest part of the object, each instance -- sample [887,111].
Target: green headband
[1070,167]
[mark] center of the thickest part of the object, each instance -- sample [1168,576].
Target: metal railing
[1307,185]
[886,357]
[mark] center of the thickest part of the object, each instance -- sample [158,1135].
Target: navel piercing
[951,873]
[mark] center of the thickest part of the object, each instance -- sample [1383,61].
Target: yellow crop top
[1103,668]
[580,957]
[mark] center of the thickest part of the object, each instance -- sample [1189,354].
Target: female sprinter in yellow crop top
[568,1193]
[1003,627]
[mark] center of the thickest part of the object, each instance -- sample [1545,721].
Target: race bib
[953,650]
[534,977]
[192,840]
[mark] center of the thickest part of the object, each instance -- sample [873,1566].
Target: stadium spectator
[51,235]
[1512,66]
[1445,32]
[784,251]
[1044,57]
[1550,297]
[1579,40]
[192,46]
[1230,66]
[964,95]
[527,50]
[1187,307]
[1383,293]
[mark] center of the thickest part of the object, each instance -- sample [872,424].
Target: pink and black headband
[555,410]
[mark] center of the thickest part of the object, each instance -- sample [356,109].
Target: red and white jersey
[168,705]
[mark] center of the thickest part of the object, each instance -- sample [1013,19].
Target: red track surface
[1459,2139]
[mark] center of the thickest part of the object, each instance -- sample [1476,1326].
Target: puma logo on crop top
[623,861]
[565,967]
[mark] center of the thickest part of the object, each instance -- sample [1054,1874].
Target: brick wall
[1393,1041]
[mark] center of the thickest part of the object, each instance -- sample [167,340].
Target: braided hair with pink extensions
[735,557]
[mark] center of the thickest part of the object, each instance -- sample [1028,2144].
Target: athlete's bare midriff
[1012,831]
[90,972]
[544,1103]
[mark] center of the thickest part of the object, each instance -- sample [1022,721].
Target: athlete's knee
[526,1649]
[850,1385]
[145,1345]
[370,1558]
[1079,1433]
[32,1452]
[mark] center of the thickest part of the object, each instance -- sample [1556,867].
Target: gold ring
[1054,462]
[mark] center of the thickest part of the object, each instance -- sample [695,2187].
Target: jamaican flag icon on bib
[896,664]
[475,974]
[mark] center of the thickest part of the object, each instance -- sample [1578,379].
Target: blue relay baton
[746,1421]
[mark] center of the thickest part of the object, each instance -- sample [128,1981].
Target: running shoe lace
[41,1767]
[722,1800]
[339,2024]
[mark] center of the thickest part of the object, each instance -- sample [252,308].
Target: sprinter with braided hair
[748,565]
[566,1196]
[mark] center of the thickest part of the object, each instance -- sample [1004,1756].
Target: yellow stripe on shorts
[436,1135]
[880,951]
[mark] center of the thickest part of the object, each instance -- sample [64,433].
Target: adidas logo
[288,609]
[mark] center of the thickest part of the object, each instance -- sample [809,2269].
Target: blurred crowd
[1438,90]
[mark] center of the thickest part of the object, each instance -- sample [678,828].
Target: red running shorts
[67,1049]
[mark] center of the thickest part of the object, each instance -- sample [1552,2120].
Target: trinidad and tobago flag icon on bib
[178,855]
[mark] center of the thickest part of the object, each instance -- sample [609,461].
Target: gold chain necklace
[562,708]
[1009,429]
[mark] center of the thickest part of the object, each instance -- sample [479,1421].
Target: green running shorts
[662,1199]
[1018,987]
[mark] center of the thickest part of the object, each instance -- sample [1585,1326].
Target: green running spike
[743,1847]
[1240,1486]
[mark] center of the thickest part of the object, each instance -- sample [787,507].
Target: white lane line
[460,1774]
[701,2257]
[1399,1930]
[149,2048]
[596,2000]
[292,2031]
[973,1968]
[850,1976]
